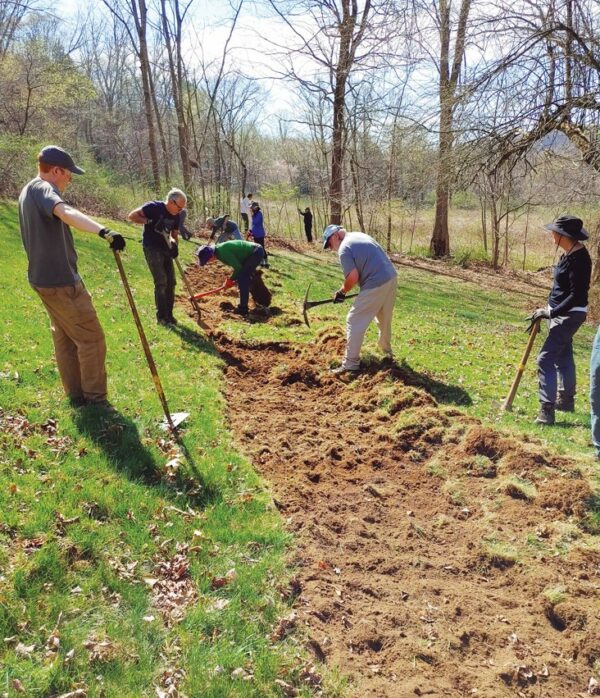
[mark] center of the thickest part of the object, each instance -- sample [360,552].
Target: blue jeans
[161,267]
[556,365]
[595,391]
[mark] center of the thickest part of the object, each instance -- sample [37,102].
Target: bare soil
[434,556]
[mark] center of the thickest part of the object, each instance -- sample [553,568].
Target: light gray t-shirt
[48,241]
[359,251]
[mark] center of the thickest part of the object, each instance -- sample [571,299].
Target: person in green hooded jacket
[243,257]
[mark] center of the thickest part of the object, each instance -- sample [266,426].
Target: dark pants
[246,222]
[308,232]
[245,275]
[162,269]
[261,242]
[556,366]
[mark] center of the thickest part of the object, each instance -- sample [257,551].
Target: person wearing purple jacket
[257,230]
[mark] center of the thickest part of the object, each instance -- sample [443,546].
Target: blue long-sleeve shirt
[257,228]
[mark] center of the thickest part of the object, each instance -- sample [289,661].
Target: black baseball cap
[53,155]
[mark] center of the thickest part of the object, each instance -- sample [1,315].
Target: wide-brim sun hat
[569,226]
[328,232]
[205,253]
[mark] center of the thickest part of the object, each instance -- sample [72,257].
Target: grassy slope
[109,474]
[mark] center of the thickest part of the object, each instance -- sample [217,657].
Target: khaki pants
[79,344]
[374,304]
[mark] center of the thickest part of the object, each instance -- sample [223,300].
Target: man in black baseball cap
[53,155]
[46,220]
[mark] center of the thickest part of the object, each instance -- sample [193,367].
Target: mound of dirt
[419,571]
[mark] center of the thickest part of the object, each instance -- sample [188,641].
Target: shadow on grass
[442,392]
[118,437]
[198,342]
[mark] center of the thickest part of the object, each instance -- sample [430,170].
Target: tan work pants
[373,304]
[79,344]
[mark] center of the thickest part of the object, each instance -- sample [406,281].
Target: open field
[382,530]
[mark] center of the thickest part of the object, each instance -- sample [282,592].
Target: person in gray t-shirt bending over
[364,262]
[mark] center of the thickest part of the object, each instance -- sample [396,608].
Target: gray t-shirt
[359,251]
[48,241]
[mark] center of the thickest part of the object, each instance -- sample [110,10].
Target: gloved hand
[228,283]
[117,242]
[539,314]
[339,297]
[174,250]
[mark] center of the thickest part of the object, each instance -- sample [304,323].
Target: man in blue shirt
[161,221]
[364,262]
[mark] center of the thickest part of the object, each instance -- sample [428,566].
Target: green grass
[88,512]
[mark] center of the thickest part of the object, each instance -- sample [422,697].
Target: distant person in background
[308,221]
[364,262]
[185,233]
[44,218]
[224,228]
[566,312]
[161,221]
[245,210]
[257,230]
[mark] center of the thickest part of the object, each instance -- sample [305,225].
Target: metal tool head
[305,306]
[177,418]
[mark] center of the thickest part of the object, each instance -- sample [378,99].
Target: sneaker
[342,370]
[565,404]
[162,322]
[546,414]
[171,321]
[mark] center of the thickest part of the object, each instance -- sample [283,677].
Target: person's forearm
[76,219]
[350,281]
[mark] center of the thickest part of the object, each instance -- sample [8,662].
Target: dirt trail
[434,556]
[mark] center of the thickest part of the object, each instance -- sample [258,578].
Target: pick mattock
[507,404]
[171,421]
[190,291]
[311,304]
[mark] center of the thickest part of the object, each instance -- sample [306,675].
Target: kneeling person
[243,257]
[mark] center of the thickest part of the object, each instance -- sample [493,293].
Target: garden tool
[507,404]
[171,421]
[311,304]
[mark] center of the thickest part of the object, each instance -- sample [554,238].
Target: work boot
[546,414]
[565,404]
[342,370]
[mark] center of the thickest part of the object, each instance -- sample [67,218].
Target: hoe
[311,304]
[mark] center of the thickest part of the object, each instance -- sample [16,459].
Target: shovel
[171,421]
[507,404]
[311,304]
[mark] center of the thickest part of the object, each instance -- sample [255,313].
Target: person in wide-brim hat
[566,312]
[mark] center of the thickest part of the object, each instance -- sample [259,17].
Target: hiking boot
[342,370]
[546,414]
[565,404]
